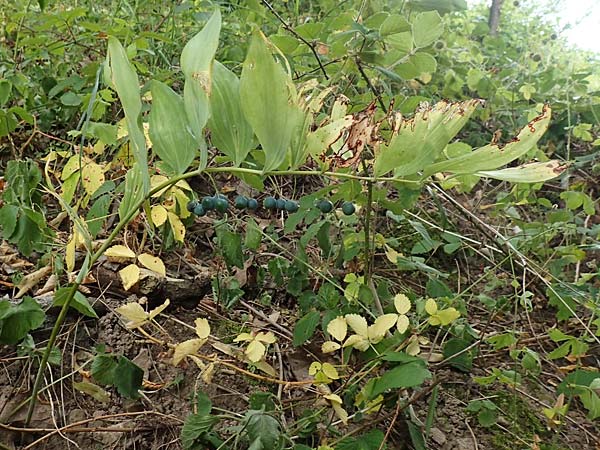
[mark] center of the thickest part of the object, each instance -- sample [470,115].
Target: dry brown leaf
[29,281]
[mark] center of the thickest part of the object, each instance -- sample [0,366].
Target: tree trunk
[494,18]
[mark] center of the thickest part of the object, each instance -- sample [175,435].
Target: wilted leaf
[202,328]
[177,227]
[536,172]
[134,312]
[186,348]
[92,177]
[93,390]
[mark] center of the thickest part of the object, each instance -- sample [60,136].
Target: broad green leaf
[5,90]
[231,246]
[230,132]
[527,173]
[103,369]
[18,320]
[416,66]
[427,27]
[442,6]
[79,303]
[125,81]
[394,23]
[403,376]
[194,428]
[421,139]
[169,131]
[306,327]
[493,156]
[269,102]
[196,63]
[128,378]
[263,431]
[369,441]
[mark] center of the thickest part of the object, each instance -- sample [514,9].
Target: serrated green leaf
[263,431]
[103,369]
[306,327]
[194,428]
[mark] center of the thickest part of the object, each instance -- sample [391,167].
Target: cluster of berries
[219,203]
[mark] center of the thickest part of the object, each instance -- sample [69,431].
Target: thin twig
[297,36]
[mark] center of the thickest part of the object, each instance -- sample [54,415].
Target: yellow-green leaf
[402,323]
[381,326]
[358,324]
[186,348]
[202,328]
[330,371]
[330,346]
[160,308]
[431,306]
[153,263]
[314,368]
[177,227]
[536,172]
[255,350]
[268,337]
[130,275]
[134,313]
[338,328]
[92,177]
[158,214]
[119,253]
[401,303]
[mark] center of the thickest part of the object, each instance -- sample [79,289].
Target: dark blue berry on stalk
[270,203]
[348,208]
[252,204]
[241,202]
[199,210]
[221,205]
[191,205]
[291,206]
[325,206]
[280,204]
[208,203]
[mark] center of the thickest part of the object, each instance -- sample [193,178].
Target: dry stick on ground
[389,429]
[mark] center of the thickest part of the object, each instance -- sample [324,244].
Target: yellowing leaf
[314,368]
[330,371]
[382,324]
[92,177]
[402,323]
[202,328]
[153,263]
[119,253]
[156,311]
[177,227]
[338,328]
[358,324]
[158,214]
[129,276]
[134,313]
[243,337]
[207,373]
[186,348]
[401,303]
[266,368]
[444,317]
[431,306]
[255,351]
[268,337]
[358,342]
[330,346]
[70,254]
[157,180]
[336,404]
